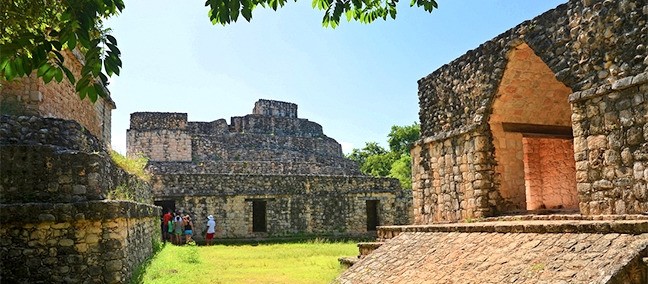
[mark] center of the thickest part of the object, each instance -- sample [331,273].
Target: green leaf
[57,45]
[58,75]
[18,65]
[68,74]
[72,41]
[82,84]
[92,93]
[110,66]
[96,68]
[114,48]
[3,63]
[9,71]
[247,13]
[59,55]
[111,39]
[43,69]
[100,90]
[235,7]
[350,14]
[49,75]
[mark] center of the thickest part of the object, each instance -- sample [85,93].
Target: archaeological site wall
[610,125]
[295,204]
[57,220]
[575,75]
[31,96]
[268,173]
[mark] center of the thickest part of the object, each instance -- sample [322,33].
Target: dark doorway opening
[166,205]
[372,214]
[259,222]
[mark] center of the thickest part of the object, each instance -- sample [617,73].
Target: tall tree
[401,138]
[376,161]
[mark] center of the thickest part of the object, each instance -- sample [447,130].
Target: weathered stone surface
[271,156]
[64,164]
[30,96]
[491,257]
[72,246]
[55,220]
[526,78]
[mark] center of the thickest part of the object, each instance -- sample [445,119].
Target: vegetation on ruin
[304,262]
[132,165]
[34,33]
[375,160]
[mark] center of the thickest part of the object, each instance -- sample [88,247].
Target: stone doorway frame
[373,216]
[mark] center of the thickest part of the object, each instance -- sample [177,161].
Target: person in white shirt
[211,229]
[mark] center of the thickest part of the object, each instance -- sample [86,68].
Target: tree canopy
[33,33]
[375,160]
[364,11]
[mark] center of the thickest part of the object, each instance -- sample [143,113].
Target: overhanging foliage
[36,32]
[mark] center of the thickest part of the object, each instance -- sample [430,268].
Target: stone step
[620,226]
[348,261]
[457,257]
[364,248]
[368,247]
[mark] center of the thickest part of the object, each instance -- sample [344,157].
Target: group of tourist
[175,226]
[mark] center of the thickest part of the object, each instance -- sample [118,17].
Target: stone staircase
[513,249]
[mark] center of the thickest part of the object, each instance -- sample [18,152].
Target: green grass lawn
[308,262]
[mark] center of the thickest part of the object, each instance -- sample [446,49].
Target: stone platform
[531,249]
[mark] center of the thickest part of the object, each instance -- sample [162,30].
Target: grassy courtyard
[307,262]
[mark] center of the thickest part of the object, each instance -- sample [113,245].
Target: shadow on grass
[288,240]
[138,273]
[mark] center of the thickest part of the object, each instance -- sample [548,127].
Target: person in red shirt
[165,224]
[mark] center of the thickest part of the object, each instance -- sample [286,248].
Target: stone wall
[611,146]
[509,82]
[31,96]
[261,147]
[453,179]
[295,204]
[54,160]
[582,42]
[343,167]
[275,108]
[526,89]
[89,242]
[270,157]
[263,142]
[56,220]
[549,173]
[272,125]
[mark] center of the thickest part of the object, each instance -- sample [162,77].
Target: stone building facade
[56,219]
[268,173]
[57,223]
[31,96]
[552,114]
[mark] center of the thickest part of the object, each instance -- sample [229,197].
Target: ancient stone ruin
[551,116]
[57,223]
[268,173]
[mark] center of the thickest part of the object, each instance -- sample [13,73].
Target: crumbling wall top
[275,108]
[158,120]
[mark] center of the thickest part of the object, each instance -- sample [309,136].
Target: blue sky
[356,81]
